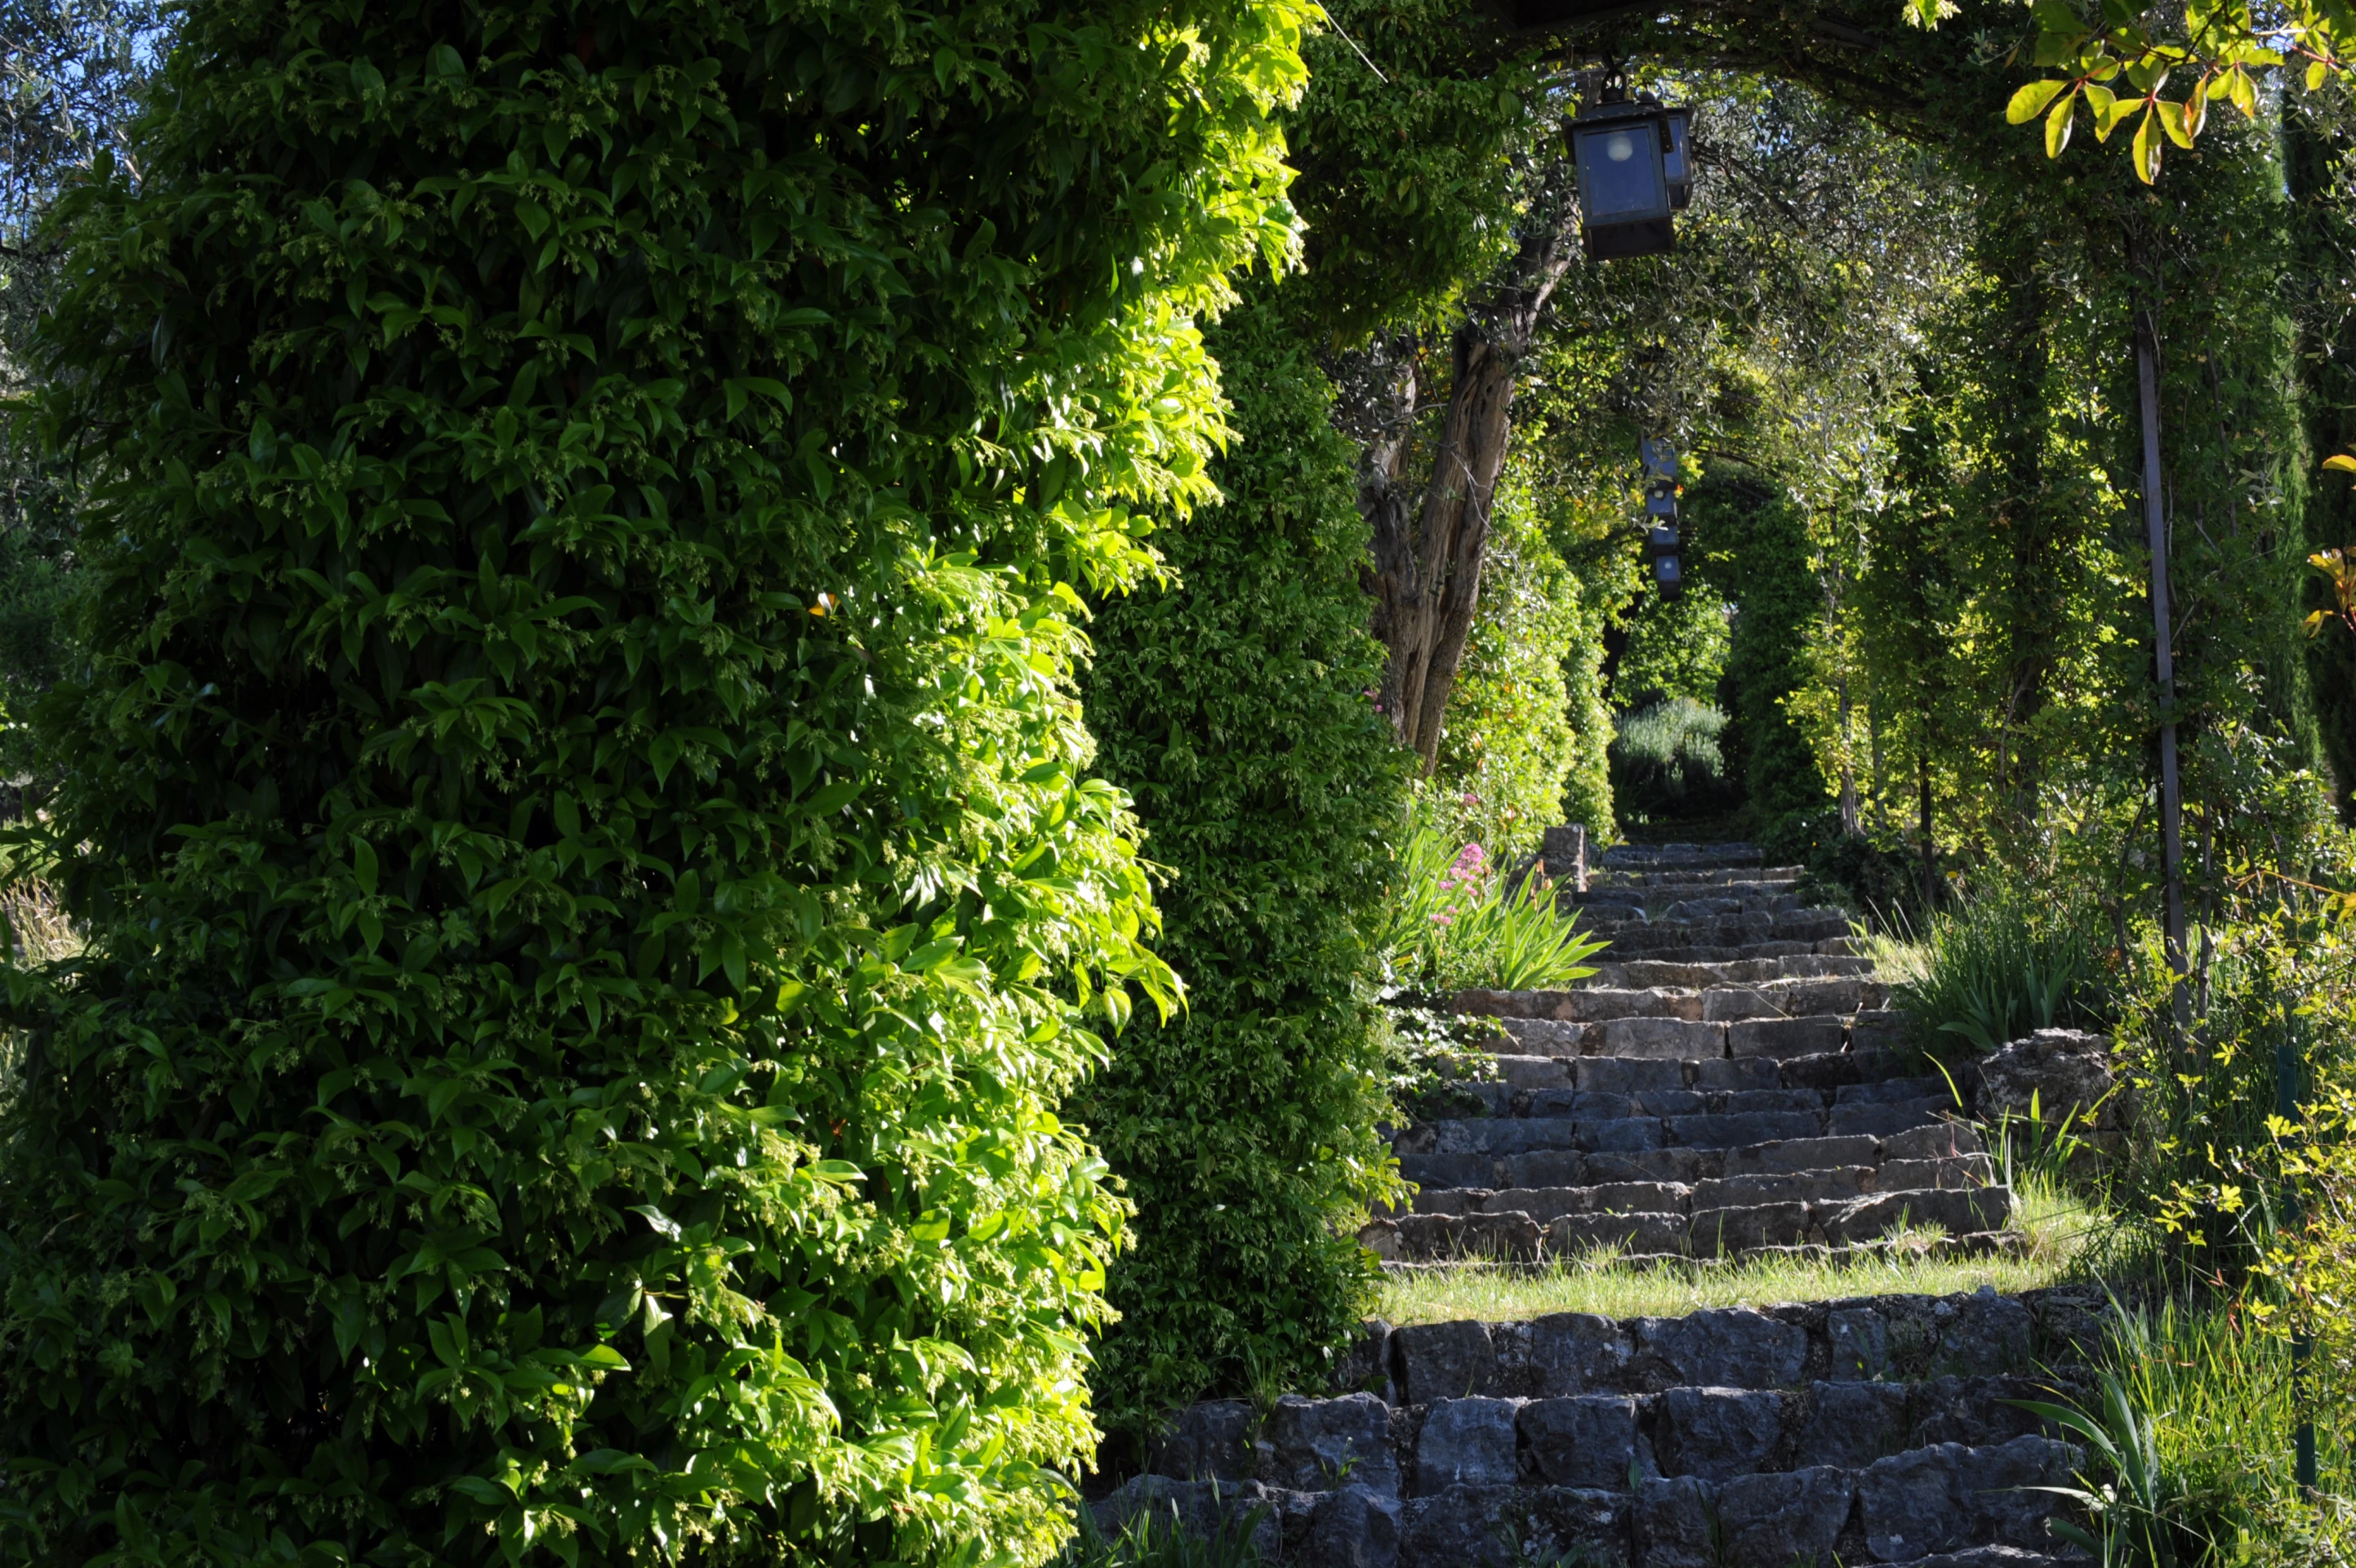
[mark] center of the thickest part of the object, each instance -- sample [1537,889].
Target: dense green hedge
[575,800]
[1237,707]
[1759,550]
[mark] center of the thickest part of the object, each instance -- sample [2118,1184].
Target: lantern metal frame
[1616,129]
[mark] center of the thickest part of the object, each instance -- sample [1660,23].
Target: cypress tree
[575,799]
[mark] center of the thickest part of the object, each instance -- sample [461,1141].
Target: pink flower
[1442,919]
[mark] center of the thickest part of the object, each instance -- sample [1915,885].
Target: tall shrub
[590,892]
[1237,706]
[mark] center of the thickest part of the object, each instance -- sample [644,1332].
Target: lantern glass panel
[1676,164]
[1665,568]
[1620,176]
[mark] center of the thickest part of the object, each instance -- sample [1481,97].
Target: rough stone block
[1669,1039]
[1741,1102]
[1446,1170]
[1670,1102]
[1629,1074]
[1547,1167]
[1441,1236]
[1683,1166]
[1742,1130]
[1935,1500]
[1726,1347]
[1521,1135]
[1352,1527]
[1885,1121]
[1542,1204]
[1203,1508]
[1775,1521]
[1603,1004]
[1738,1073]
[1443,1360]
[1785,1037]
[1676,1520]
[1890,1090]
[1578,1352]
[1207,1441]
[1639,1197]
[1978,1410]
[1853,1423]
[1717,1432]
[1983,1333]
[1859,1341]
[1544,1037]
[1794,1154]
[1915,1176]
[1575,1233]
[1532,1072]
[1620,1135]
[1944,1141]
[1466,1442]
[1833,1069]
[1816,996]
[1957,1213]
[1315,1446]
[1588,1441]
[1800,1187]
[1716,1231]
[1732,1004]
[1503,1527]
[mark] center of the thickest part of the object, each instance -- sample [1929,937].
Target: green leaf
[2034,100]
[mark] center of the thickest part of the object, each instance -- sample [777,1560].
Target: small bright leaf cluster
[2118,68]
[576,798]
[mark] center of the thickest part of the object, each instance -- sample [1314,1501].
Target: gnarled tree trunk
[1429,541]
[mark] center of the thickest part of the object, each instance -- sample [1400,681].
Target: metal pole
[2171,804]
[2290,1102]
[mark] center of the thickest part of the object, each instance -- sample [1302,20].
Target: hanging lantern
[1661,542]
[1632,162]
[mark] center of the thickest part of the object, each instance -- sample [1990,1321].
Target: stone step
[1547,1086]
[1731,966]
[1532,1232]
[1598,1442]
[1835,1182]
[1633,937]
[1624,877]
[1683,903]
[1680,856]
[1536,1157]
[1830,1072]
[1792,997]
[1604,1122]
[1972,1507]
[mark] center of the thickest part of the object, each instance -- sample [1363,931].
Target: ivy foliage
[576,798]
[1237,705]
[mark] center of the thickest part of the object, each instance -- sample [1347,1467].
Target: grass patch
[2061,1232]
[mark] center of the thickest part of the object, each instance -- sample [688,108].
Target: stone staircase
[1728,1084]
[1740,1091]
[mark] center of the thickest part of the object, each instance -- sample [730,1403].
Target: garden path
[1730,1083]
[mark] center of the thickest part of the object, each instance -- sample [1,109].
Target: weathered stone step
[1547,1086]
[1596,1442]
[1857,1071]
[1682,903]
[1632,878]
[1636,938]
[1609,1122]
[1730,967]
[1861,1216]
[1799,996]
[1901,1338]
[1680,856]
[1837,1182]
[1475,1162]
[1970,1505]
